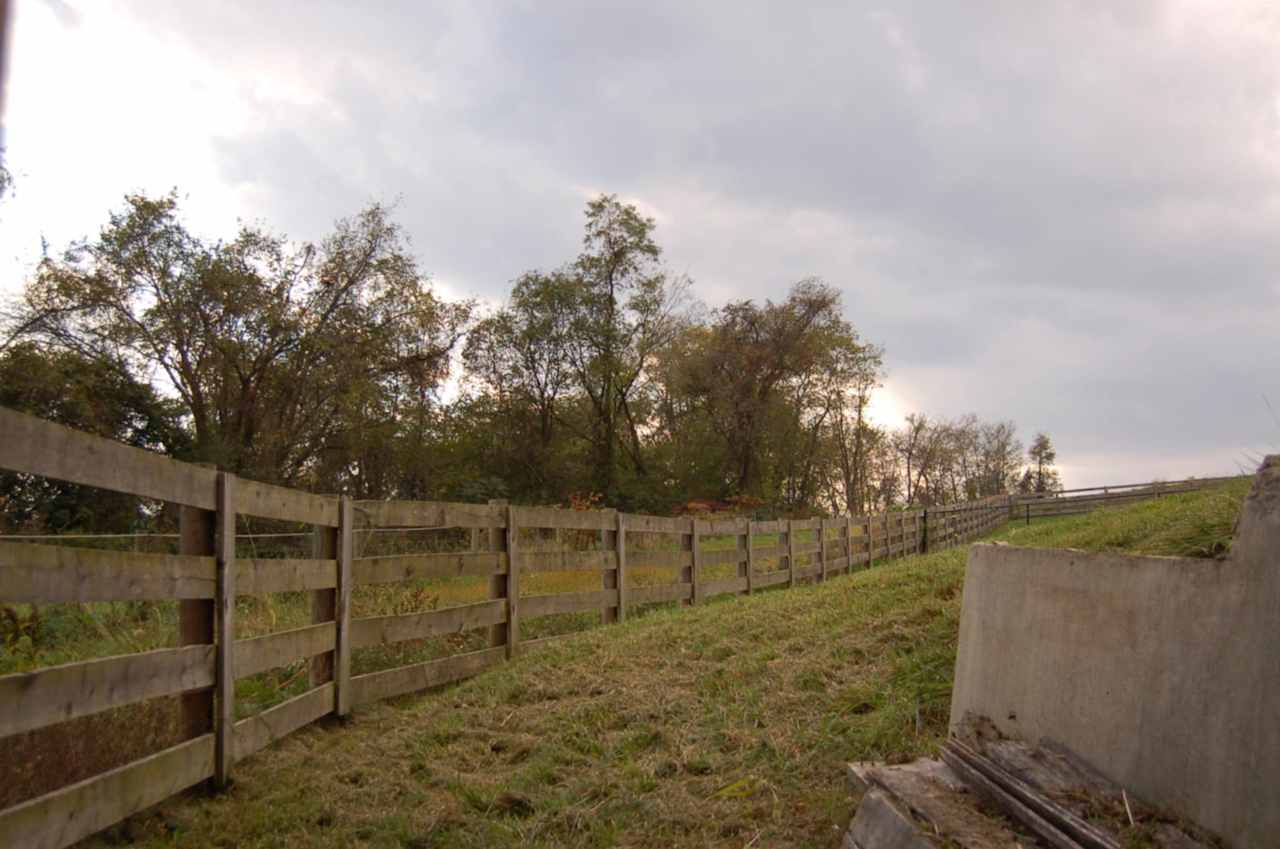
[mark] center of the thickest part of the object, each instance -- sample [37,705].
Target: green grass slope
[725,725]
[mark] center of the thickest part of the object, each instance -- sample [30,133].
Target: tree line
[335,366]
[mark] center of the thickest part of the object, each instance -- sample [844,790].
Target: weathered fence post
[848,544]
[609,577]
[866,535]
[196,535]
[695,530]
[791,552]
[511,590]
[620,545]
[751,558]
[497,543]
[225,605]
[342,611]
[324,603]
[822,551]
[924,531]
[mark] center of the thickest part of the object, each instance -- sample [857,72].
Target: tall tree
[1041,476]
[291,360]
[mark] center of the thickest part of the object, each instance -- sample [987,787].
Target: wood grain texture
[55,573]
[57,693]
[661,593]
[261,730]
[532,606]
[72,813]
[383,630]
[286,505]
[224,688]
[265,575]
[568,561]
[403,567]
[430,514]
[269,651]
[410,679]
[37,447]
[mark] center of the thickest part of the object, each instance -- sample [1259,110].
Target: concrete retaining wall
[1164,672]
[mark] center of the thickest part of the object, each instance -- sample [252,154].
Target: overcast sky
[1059,213]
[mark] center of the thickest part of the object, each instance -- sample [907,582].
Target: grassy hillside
[725,725]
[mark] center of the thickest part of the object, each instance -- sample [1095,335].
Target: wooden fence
[497,545]
[1068,502]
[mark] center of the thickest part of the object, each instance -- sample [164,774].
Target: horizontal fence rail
[617,564]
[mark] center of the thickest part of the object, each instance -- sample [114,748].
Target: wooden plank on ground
[57,693]
[36,447]
[403,567]
[57,573]
[265,575]
[287,505]
[532,606]
[382,630]
[259,654]
[660,593]
[261,730]
[72,813]
[409,679]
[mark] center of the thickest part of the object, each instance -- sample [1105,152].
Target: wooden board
[769,579]
[409,679]
[655,524]
[287,505]
[72,813]
[728,585]
[554,517]
[403,567]
[660,593]
[37,447]
[567,561]
[732,555]
[532,606]
[429,514]
[264,575]
[56,573]
[58,693]
[641,559]
[283,647]
[261,730]
[380,630]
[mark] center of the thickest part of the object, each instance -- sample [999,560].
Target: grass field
[724,725]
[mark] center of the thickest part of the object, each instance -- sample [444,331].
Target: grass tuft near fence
[722,725]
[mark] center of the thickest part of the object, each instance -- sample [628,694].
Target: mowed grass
[724,725]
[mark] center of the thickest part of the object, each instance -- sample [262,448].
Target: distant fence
[497,544]
[1068,502]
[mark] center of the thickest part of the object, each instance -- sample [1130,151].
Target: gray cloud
[1063,213]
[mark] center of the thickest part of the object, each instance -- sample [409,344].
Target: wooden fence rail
[700,559]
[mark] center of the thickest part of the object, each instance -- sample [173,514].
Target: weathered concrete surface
[1163,672]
